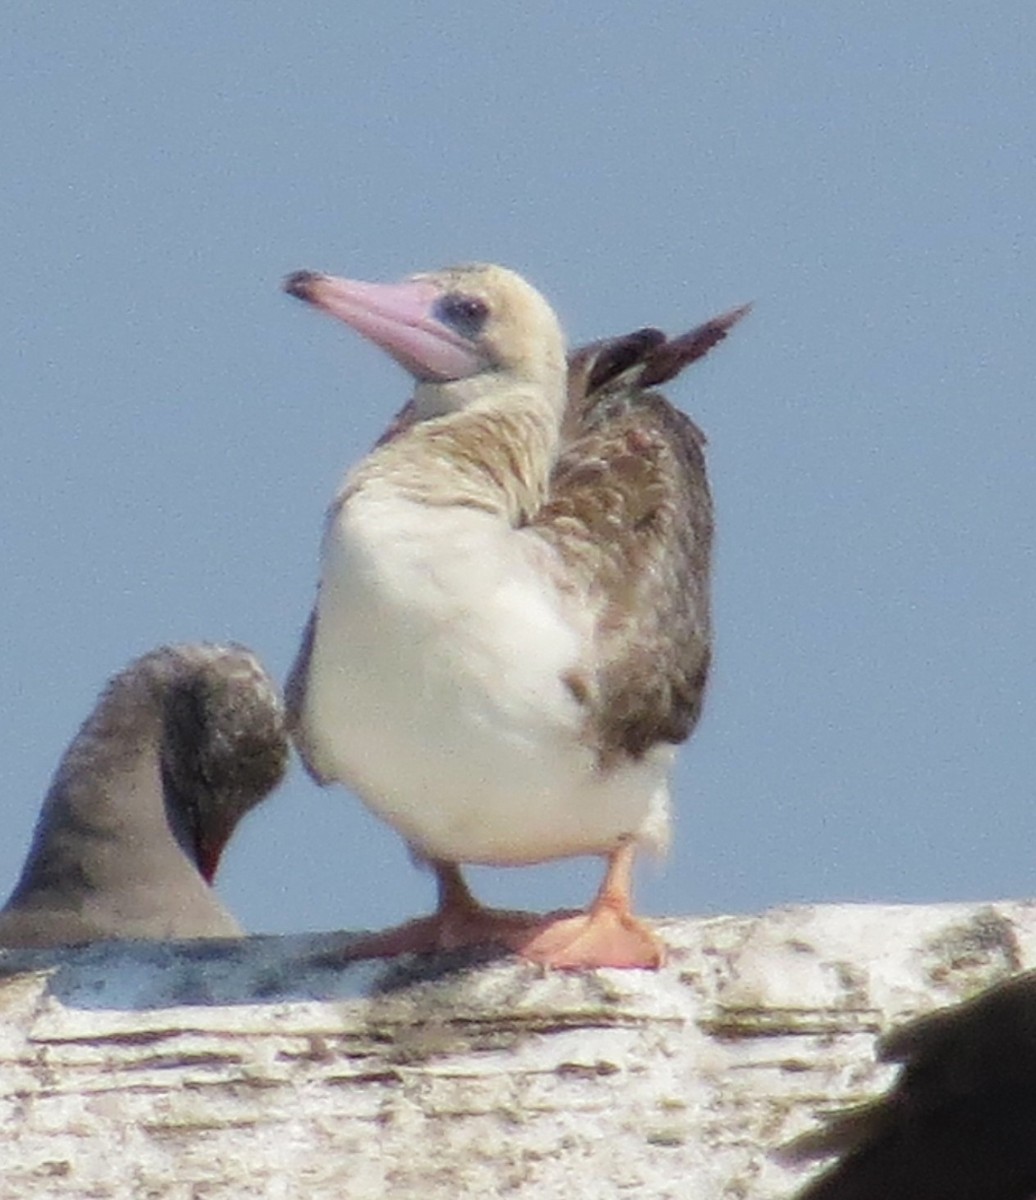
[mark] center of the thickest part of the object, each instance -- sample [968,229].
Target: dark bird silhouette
[960,1121]
[181,745]
[512,632]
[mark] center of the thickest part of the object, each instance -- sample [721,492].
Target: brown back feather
[629,512]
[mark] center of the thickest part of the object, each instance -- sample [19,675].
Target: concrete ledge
[204,1070]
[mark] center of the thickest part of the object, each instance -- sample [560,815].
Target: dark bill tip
[300,283]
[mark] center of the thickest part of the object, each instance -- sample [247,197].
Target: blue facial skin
[465,315]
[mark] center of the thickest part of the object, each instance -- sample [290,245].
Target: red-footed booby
[511,633]
[182,743]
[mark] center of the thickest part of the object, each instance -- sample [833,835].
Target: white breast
[436,690]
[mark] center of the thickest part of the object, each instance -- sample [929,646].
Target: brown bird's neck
[103,812]
[495,458]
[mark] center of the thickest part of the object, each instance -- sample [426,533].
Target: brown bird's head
[463,333]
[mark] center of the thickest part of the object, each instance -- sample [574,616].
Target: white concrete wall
[203,1071]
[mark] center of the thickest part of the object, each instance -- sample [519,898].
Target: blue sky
[173,426]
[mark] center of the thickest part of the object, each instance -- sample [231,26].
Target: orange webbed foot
[606,935]
[602,937]
[453,928]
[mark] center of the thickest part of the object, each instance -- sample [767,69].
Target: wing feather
[295,701]
[630,514]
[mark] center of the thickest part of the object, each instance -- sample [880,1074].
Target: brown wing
[629,512]
[295,699]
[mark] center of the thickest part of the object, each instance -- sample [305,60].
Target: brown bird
[182,743]
[511,633]
[958,1124]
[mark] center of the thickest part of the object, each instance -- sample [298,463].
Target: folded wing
[630,515]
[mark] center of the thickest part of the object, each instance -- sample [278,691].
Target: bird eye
[466,314]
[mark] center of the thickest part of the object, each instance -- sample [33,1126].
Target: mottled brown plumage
[629,511]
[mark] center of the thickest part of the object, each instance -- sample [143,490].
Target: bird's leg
[458,921]
[462,921]
[606,935]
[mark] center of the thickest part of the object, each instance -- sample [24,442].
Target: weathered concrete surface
[200,1071]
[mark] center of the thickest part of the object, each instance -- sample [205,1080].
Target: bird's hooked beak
[398,317]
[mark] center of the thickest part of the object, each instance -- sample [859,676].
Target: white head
[464,333]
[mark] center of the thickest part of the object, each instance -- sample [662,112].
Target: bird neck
[100,817]
[107,799]
[493,456]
